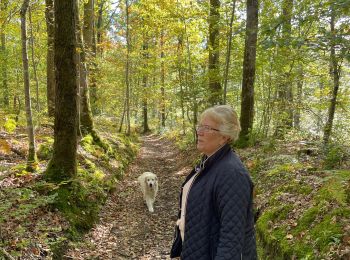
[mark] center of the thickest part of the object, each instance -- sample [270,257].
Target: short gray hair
[226,118]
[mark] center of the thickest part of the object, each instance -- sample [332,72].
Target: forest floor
[126,229]
[304,209]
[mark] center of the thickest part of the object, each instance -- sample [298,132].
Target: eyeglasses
[205,128]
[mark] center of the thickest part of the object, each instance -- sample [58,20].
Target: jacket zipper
[189,189]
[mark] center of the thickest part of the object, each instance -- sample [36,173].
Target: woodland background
[89,77]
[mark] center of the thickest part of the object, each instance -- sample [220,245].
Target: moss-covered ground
[304,205]
[39,218]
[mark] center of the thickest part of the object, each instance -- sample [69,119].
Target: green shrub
[335,155]
[10,125]
[45,149]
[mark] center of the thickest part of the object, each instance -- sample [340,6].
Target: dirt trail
[126,229]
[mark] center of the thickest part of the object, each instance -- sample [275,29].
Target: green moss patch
[305,209]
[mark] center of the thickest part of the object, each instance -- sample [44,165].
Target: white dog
[149,187]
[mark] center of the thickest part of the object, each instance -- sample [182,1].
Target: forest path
[126,229]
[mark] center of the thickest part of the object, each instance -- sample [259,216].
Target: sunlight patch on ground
[184,171]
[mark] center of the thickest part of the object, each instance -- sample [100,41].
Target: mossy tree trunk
[63,164]
[228,53]
[215,90]
[50,63]
[32,40]
[285,90]
[89,40]
[335,75]
[127,71]
[3,58]
[247,105]
[31,160]
[85,113]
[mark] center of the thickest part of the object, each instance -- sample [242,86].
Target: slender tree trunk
[181,80]
[335,74]
[127,80]
[90,50]
[63,164]
[30,128]
[50,63]
[99,26]
[215,90]
[297,113]
[145,86]
[285,93]
[85,114]
[247,105]
[33,60]
[3,58]
[228,54]
[162,89]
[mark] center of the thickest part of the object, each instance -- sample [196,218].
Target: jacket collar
[206,162]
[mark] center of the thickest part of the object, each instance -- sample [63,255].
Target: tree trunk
[299,97]
[50,63]
[144,83]
[285,93]
[228,53]
[3,58]
[181,80]
[247,104]
[99,28]
[63,164]
[162,89]
[215,90]
[30,128]
[335,74]
[33,60]
[90,50]
[85,118]
[127,80]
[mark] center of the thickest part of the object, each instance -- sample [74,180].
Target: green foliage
[334,187]
[10,125]
[335,155]
[80,203]
[45,149]
[182,141]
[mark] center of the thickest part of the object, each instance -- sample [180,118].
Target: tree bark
[30,128]
[228,54]
[162,89]
[285,93]
[90,51]
[63,164]
[145,86]
[3,58]
[99,26]
[85,118]
[50,63]
[335,74]
[215,90]
[127,80]
[247,104]
[33,60]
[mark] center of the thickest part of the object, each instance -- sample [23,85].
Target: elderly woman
[215,218]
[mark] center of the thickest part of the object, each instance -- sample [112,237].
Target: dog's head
[151,181]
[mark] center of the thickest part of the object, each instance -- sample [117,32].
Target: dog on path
[149,186]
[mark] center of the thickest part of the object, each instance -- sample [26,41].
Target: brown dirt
[126,229]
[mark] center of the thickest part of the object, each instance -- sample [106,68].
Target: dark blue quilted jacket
[219,212]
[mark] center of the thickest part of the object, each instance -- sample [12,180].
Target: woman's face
[209,138]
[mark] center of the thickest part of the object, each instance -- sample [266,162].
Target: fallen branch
[7,255]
